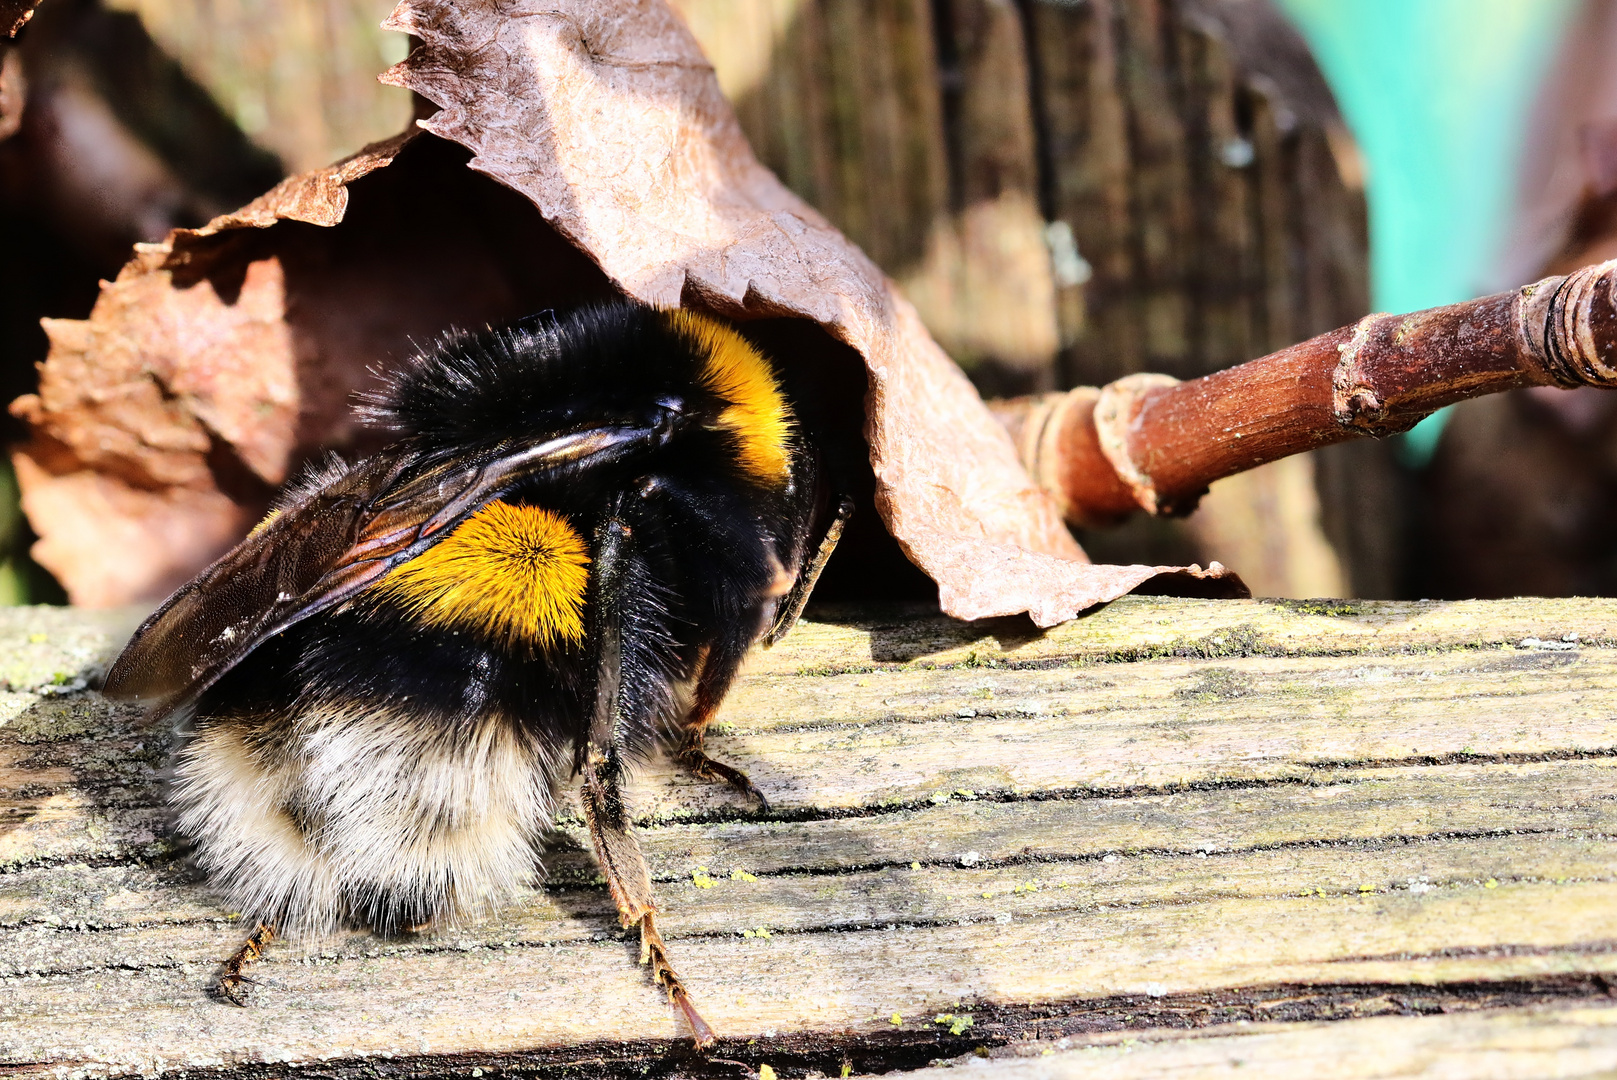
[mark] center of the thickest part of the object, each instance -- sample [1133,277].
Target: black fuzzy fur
[707,541]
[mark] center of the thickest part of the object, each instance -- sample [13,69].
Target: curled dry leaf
[164,420]
[14,14]
[222,357]
[13,90]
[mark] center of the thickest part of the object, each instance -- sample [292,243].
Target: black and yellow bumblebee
[582,525]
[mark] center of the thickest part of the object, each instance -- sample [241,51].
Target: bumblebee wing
[322,549]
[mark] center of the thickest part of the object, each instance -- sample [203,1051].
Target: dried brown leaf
[606,114]
[223,356]
[101,526]
[14,14]
[120,478]
[318,197]
[140,390]
[13,90]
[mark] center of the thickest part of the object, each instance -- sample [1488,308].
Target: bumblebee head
[620,360]
[751,408]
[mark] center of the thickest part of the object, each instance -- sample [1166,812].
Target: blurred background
[1069,190]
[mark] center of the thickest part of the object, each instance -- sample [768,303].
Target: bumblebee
[553,572]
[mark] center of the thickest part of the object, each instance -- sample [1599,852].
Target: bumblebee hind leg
[621,671]
[232,984]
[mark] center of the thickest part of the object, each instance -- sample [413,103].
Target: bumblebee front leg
[718,671]
[793,603]
[617,707]
[232,983]
[720,666]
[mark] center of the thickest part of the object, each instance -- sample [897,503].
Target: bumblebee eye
[666,421]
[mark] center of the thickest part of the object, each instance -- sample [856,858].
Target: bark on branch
[1151,442]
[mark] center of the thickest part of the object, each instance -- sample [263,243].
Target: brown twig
[1150,442]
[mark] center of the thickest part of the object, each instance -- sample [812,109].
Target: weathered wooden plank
[135,917]
[1385,829]
[985,287]
[1530,1044]
[899,738]
[418,1001]
[1398,805]
[1135,628]
[1186,159]
[1179,803]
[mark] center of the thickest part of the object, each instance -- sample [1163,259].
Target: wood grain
[1144,825]
[299,78]
[1536,1043]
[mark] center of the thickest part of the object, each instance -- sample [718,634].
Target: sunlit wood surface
[1319,838]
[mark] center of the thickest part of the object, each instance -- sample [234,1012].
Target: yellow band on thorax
[515,573]
[737,373]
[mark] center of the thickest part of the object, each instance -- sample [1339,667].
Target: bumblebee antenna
[544,322]
[792,606]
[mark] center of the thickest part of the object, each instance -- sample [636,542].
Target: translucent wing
[326,547]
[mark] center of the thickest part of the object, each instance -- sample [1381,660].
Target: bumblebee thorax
[516,573]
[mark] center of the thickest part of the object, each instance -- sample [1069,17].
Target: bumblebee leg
[792,604]
[232,982]
[694,757]
[718,672]
[722,665]
[616,713]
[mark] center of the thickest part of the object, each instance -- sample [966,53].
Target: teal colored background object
[1437,93]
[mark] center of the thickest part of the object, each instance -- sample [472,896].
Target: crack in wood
[918,1043]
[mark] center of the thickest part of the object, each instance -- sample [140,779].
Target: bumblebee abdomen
[359,814]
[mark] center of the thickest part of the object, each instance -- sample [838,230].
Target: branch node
[1357,406]
[1569,324]
[1115,409]
[1043,451]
